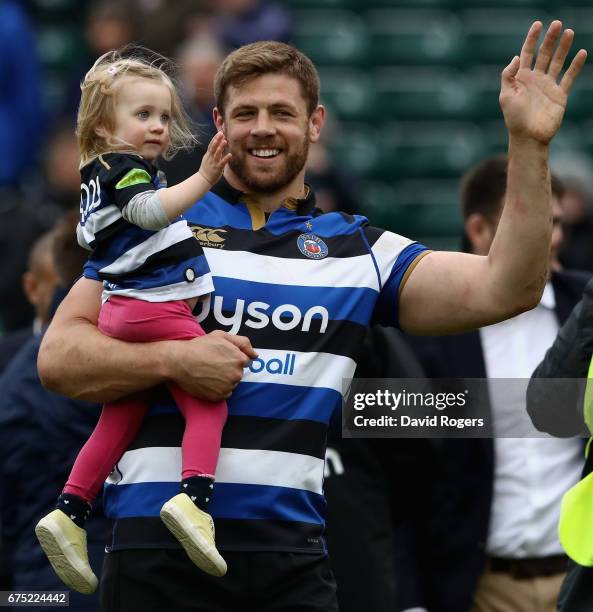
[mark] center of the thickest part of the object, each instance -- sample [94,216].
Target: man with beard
[303,287]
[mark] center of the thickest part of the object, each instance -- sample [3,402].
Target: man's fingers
[243,344]
[508,74]
[528,48]
[546,49]
[561,53]
[573,71]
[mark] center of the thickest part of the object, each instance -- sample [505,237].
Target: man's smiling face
[269,131]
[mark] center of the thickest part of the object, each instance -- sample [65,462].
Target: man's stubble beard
[265,184]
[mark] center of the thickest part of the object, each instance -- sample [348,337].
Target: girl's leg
[134,320]
[203,430]
[186,515]
[118,425]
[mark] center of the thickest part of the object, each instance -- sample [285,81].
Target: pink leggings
[139,321]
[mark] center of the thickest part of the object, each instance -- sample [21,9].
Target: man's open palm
[532,101]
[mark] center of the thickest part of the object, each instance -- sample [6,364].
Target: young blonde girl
[153,271]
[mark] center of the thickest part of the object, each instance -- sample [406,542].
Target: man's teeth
[265,152]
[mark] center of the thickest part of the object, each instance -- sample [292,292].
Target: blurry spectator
[488,540]
[576,173]
[564,410]
[25,215]
[39,283]
[110,24]
[198,59]
[40,434]
[61,190]
[21,115]
[240,22]
[164,24]
[334,188]
[21,222]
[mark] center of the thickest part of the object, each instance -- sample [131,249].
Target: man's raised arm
[77,360]
[453,292]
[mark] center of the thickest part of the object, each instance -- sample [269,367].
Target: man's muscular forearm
[77,360]
[520,252]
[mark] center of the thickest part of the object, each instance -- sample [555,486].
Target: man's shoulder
[337,223]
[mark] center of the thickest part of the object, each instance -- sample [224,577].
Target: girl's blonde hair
[97,102]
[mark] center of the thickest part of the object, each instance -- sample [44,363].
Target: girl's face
[142,115]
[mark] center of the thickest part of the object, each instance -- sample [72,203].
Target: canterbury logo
[209,237]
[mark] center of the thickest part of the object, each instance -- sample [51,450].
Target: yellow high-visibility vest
[575,528]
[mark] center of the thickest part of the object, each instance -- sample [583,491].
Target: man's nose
[263,126]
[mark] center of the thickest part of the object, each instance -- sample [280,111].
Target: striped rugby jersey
[303,288]
[155,266]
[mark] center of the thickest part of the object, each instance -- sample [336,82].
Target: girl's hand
[215,159]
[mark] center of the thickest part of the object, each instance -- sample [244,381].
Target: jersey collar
[303,206]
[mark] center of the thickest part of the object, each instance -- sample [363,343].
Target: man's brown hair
[267,57]
[484,186]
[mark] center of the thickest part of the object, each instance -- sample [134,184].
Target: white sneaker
[64,543]
[195,531]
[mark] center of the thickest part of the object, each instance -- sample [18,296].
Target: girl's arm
[177,199]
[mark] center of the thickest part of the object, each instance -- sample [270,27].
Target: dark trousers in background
[166,581]
[576,594]
[359,531]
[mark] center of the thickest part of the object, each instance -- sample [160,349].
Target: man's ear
[30,286]
[316,121]
[480,233]
[218,119]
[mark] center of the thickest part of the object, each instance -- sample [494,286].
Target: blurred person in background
[335,188]
[21,223]
[563,408]
[59,190]
[40,434]
[21,123]
[576,172]
[198,59]
[39,283]
[21,113]
[240,22]
[25,216]
[110,24]
[165,24]
[486,540]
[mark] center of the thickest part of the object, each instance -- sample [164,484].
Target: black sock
[199,489]
[74,507]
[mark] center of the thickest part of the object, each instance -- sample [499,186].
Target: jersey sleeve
[394,257]
[125,176]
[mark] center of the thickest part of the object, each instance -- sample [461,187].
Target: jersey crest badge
[312,246]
